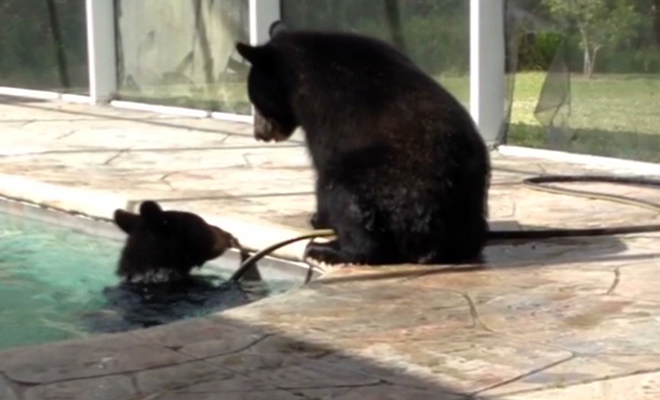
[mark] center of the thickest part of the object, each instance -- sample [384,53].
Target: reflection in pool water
[56,283]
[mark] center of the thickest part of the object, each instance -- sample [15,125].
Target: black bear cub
[155,265]
[402,173]
[167,245]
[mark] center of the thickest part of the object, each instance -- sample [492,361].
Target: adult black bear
[169,243]
[402,173]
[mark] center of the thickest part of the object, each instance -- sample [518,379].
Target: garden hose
[245,265]
[534,183]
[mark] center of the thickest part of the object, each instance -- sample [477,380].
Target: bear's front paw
[327,253]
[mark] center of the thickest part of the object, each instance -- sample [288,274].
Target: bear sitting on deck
[167,245]
[402,173]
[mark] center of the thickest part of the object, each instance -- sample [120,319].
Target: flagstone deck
[558,319]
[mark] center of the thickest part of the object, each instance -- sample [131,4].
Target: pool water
[56,284]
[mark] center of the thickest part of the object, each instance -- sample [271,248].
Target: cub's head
[167,242]
[270,88]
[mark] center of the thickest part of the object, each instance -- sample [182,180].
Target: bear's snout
[275,136]
[263,137]
[266,129]
[223,241]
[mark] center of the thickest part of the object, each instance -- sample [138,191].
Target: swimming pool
[58,283]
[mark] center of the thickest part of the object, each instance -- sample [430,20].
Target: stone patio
[559,319]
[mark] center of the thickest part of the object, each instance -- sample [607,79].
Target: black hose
[534,183]
[245,265]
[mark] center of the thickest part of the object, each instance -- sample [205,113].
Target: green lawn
[611,115]
[459,86]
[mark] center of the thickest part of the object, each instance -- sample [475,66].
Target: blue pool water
[56,283]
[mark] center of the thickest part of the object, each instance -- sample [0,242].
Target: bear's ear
[125,220]
[276,28]
[152,214]
[254,54]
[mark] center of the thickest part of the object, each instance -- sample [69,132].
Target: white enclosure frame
[487,67]
[487,61]
[262,15]
[101,50]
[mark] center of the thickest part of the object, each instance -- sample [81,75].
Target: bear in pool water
[169,243]
[155,265]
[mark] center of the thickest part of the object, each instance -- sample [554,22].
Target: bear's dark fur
[139,305]
[167,242]
[402,173]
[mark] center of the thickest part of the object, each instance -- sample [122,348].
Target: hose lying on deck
[534,183]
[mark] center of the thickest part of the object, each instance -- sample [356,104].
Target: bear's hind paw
[327,253]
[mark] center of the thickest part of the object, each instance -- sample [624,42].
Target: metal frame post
[487,67]
[262,14]
[102,53]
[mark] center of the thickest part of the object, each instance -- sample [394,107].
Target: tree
[656,20]
[600,23]
[394,18]
[650,9]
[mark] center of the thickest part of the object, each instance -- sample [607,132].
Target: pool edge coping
[100,205]
[91,213]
